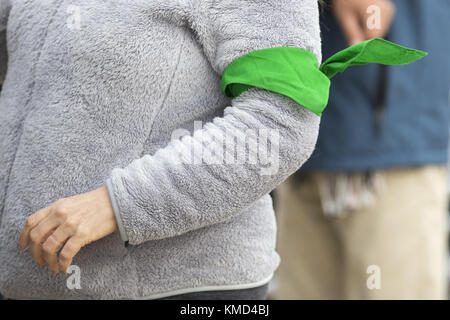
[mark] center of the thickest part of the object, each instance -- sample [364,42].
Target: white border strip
[208,288]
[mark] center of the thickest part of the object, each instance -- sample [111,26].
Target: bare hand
[359,22]
[69,223]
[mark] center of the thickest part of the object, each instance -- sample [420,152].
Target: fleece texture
[93,94]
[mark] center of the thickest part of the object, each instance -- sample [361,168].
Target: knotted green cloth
[295,72]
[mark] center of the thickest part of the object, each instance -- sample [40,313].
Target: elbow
[301,144]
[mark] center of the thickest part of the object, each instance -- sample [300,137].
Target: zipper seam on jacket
[24,118]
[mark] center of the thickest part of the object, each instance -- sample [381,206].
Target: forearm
[170,193]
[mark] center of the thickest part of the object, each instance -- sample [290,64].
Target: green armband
[295,72]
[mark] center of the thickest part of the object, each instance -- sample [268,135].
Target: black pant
[258,293]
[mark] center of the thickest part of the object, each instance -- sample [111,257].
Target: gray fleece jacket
[93,94]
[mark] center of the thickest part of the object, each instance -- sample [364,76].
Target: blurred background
[367,216]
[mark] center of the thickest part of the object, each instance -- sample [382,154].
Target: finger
[51,246]
[380,29]
[71,248]
[39,234]
[36,245]
[376,31]
[351,26]
[30,223]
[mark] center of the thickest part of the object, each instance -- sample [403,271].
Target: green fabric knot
[295,72]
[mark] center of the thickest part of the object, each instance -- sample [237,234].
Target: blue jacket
[412,101]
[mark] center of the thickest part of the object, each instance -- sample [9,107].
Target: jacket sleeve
[4,12]
[163,195]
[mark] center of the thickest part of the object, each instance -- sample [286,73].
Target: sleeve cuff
[122,232]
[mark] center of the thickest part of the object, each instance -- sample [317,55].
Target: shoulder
[228,29]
